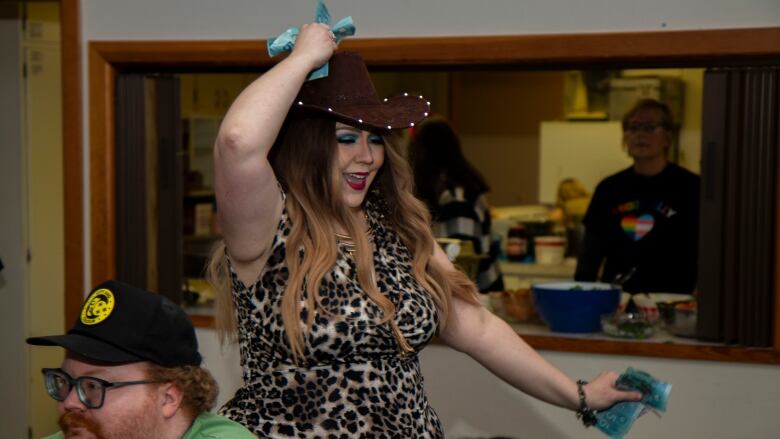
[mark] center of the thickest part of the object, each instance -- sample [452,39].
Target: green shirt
[206,426]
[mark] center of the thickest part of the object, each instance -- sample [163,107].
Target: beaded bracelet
[585,413]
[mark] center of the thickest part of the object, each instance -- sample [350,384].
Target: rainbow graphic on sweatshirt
[636,222]
[636,227]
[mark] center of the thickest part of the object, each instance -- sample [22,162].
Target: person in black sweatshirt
[644,220]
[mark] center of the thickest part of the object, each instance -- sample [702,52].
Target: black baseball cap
[120,323]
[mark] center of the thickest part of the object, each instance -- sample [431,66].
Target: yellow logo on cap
[98,307]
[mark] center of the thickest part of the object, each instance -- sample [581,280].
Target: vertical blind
[738,206]
[149,183]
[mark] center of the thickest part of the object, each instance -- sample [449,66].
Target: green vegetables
[635,329]
[581,288]
[627,326]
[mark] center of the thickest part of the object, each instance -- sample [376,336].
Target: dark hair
[439,164]
[198,386]
[304,154]
[667,121]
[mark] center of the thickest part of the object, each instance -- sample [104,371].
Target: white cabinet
[587,151]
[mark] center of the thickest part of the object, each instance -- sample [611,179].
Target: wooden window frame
[636,49]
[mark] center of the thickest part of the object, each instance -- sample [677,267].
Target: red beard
[70,422]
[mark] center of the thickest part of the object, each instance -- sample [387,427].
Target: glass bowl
[633,326]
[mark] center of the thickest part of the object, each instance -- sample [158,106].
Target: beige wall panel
[497,115]
[43,148]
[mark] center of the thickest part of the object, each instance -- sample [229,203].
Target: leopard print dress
[354,382]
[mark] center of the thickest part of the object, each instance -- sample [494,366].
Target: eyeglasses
[647,128]
[91,390]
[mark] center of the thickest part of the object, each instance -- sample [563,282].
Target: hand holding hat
[343,89]
[286,41]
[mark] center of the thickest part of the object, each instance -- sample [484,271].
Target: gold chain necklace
[350,244]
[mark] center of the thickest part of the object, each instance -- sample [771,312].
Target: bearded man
[132,370]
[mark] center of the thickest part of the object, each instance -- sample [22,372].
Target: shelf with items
[197,296]
[197,293]
[199,220]
[200,233]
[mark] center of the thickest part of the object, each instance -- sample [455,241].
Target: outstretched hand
[316,43]
[601,393]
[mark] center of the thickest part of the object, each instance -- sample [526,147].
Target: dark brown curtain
[130,171]
[169,187]
[739,179]
[149,183]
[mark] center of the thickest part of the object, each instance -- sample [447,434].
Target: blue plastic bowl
[575,306]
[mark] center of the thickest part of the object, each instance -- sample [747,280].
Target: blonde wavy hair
[303,161]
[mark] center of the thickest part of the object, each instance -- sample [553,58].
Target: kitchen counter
[660,336]
[522,275]
[564,270]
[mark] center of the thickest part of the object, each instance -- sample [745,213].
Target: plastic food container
[647,306]
[518,304]
[680,317]
[549,250]
[575,306]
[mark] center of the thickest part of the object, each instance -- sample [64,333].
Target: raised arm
[489,340]
[249,202]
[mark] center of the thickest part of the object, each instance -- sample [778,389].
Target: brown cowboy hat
[348,95]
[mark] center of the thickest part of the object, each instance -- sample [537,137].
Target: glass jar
[517,243]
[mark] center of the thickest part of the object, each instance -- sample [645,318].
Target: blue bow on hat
[286,40]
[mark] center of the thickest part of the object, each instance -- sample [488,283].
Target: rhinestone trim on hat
[389,127]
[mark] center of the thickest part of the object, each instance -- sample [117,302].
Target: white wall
[13,279]
[45,204]
[207,19]
[730,400]
[565,146]
[223,362]
[31,216]
[708,399]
